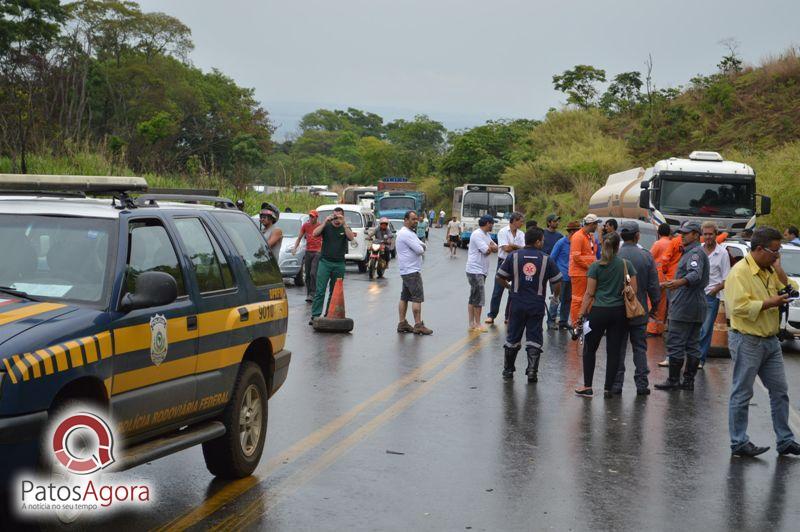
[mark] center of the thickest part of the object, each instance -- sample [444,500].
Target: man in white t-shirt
[509,238]
[453,235]
[480,247]
[409,260]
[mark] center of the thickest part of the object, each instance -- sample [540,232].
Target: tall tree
[579,84]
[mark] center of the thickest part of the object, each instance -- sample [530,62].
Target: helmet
[268,209]
[383,220]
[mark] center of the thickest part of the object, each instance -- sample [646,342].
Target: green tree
[623,93]
[579,84]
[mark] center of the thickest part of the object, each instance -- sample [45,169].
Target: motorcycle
[377,262]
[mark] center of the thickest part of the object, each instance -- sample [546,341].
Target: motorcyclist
[384,234]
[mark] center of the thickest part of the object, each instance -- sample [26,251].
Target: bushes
[565,159]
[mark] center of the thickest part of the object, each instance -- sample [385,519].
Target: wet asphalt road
[375,431]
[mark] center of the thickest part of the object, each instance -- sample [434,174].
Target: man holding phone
[335,237]
[754,293]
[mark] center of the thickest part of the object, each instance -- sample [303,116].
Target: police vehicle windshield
[56,257]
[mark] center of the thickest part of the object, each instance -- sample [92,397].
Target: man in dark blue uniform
[526,273]
[687,310]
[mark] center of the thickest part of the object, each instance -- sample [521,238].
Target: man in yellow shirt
[753,304]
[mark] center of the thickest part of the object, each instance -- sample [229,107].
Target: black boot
[510,358]
[534,354]
[673,382]
[688,375]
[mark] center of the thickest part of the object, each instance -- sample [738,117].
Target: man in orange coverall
[666,252]
[582,253]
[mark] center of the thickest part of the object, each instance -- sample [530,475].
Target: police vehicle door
[155,348]
[219,299]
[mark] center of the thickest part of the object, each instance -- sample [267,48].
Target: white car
[359,219]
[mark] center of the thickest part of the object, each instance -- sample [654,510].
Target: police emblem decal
[158,339]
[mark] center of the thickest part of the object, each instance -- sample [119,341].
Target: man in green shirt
[335,237]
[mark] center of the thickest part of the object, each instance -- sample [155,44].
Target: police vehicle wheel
[298,279]
[237,453]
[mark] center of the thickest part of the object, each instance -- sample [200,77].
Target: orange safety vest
[582,253]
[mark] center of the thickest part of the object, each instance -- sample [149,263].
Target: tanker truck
[702,187]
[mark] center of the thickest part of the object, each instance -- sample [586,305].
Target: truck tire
[237,453]
[339,325]
[298,279]
[362,266]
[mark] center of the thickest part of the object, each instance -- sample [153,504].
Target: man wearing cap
[551,236]
[647,286]
[686,310]
[311,258]
[560,256]
[583,252]
[240,204]
[480,247]
[509,238]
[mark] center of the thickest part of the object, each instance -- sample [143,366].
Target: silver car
[291,266]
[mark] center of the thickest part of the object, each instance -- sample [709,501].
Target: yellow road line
[261,506]
[237,488]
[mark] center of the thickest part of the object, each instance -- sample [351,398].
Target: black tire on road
[362,266]
[371,268]
[298,279]
[339,325]
[237,453]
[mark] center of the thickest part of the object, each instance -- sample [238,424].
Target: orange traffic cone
[334,320]
[336,307]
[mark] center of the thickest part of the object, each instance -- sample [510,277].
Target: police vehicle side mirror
[153,289]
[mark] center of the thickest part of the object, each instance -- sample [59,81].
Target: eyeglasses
[773,252]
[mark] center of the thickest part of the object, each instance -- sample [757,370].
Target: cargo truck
[702,187]
[396,196]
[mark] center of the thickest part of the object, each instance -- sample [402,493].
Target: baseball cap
[313,212]
[485,219]
[688,226]
[573,225]
[628,226]
[590,219]
[553,218]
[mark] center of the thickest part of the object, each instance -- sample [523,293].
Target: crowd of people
[602,284]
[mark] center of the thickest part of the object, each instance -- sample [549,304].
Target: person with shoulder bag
[605,287]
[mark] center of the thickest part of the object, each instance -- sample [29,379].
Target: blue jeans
[561,307]
[753,355]
[708,326]
[497,296]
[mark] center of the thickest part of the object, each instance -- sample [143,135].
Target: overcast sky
[463,61]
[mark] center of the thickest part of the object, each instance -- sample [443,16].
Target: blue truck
[396,196]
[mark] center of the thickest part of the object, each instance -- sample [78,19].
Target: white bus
[470,202]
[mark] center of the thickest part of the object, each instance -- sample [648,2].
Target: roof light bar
[49,183]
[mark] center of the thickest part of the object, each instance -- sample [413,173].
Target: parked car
[359,219]
[291,266]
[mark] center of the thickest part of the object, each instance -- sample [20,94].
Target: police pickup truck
[165,312]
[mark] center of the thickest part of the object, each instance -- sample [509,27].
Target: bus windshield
[398,203]
[497,204]
[727,200]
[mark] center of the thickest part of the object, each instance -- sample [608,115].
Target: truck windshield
[728,200]
[398,203]
[497,204]
[56,257]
